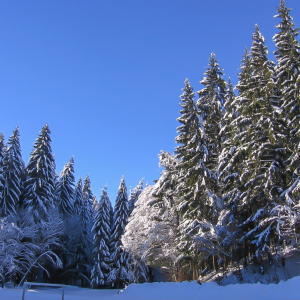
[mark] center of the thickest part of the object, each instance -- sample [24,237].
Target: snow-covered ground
[288,290]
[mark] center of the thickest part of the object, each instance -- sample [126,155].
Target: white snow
[288,290]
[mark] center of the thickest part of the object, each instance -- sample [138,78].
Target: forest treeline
[52,230]
[229,195]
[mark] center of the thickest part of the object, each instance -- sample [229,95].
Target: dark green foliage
[101,241]
[40,183]
[13,175]
[65,190]
[120,268]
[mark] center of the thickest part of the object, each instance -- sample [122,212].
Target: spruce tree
[287,78]
[211,108]
[65,190]
[95,203]
[199,145]
[13,173]
[253,175]
[101,240]
[87,206]
[231,160]
[40,183]
[120,272]
[134,194]
[78,198]
[192,156]
[288,58]
[2,150]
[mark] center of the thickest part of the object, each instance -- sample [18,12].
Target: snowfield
[288,290]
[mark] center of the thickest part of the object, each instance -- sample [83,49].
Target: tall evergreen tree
[192,155]
[211,108]
[120,273]
[95,203]
[253,175]
[101,240]
[87,206]
[40,183]
[197,154]
[2,150]
[134,194]
[231,160]
[65,189]
[78,198]
[13,173]
[287,78]
[288,58]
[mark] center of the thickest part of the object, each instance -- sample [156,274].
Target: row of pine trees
[232,186]
[235,177]
[84,244]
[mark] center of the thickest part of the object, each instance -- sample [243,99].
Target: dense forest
[229,195]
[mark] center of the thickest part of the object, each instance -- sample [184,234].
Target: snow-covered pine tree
[230,109]
[211,108]
[87,206]
[121,271]
[190,192]
[131,200]
[75,241]
[267,151]
[2,146]
[79,244]
[40,183]
[13,173]
[65,190]
[287,78]
[2,150]
[231,159]
[253,176]
[197,154]
[95,203]
[78,198]
[288,64]
[134,194]
[101,241]
[191,155]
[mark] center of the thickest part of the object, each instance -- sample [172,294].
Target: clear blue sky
[107,75]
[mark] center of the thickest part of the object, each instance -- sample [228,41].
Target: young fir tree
[102,232]
[134,195]
[65,190]
[40,183]
[13,173]
[78,198]
[120,272]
